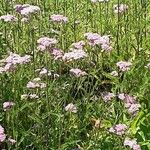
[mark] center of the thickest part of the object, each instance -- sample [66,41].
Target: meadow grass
[45,122]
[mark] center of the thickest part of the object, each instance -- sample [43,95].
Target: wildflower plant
[74,75]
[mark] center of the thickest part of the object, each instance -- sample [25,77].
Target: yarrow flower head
[121,8]
[29,96]
[8,105]
[132,143]
[96,39]
[114,73]
[107,96]
[27,9]
[8,18]
[56,53]
[74,55]
[118,129]
[58,18]
[12,141]
[43,71]
[17,59]
[45,42]
[2,134]
[13,60]
[130,103]
[79,45]
[77,72]
[71,108]
[36,83]
[124,65]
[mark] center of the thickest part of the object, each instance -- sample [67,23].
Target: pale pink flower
[56,53]
[77,72]
[17,59]
[43,71]
[96,39]
[79,45]
[71,108]
[45,42]
[20,7]
[124,65]
[114,73]
[36,83]
[130,99]
[8,18]
[130,103]
[132,143]
[133,108]
[33,85]
[118,129]
[2,134]
[12,141]
[8,105]
[74,55]
[41,48]
[129,142]
[58,18]
[106,47]
[121,96]
[107,96]
[27,9]
[2,137]
[93,38]
[121,8]
[136,147]
[1,130]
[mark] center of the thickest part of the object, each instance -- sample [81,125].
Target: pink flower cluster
[114,73]
[118,129]
[96,39]
[124,65]
[79,45]
[56,53]
[130,103]
[43,71]
[121,8]
[8,18]
[77,72]
[12,60]
[2,134]
[71,108]
[132,143]
[74,55]
[36,83]
[107,96]
[45,43]
[59,18]
[8,105]
[27,9]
